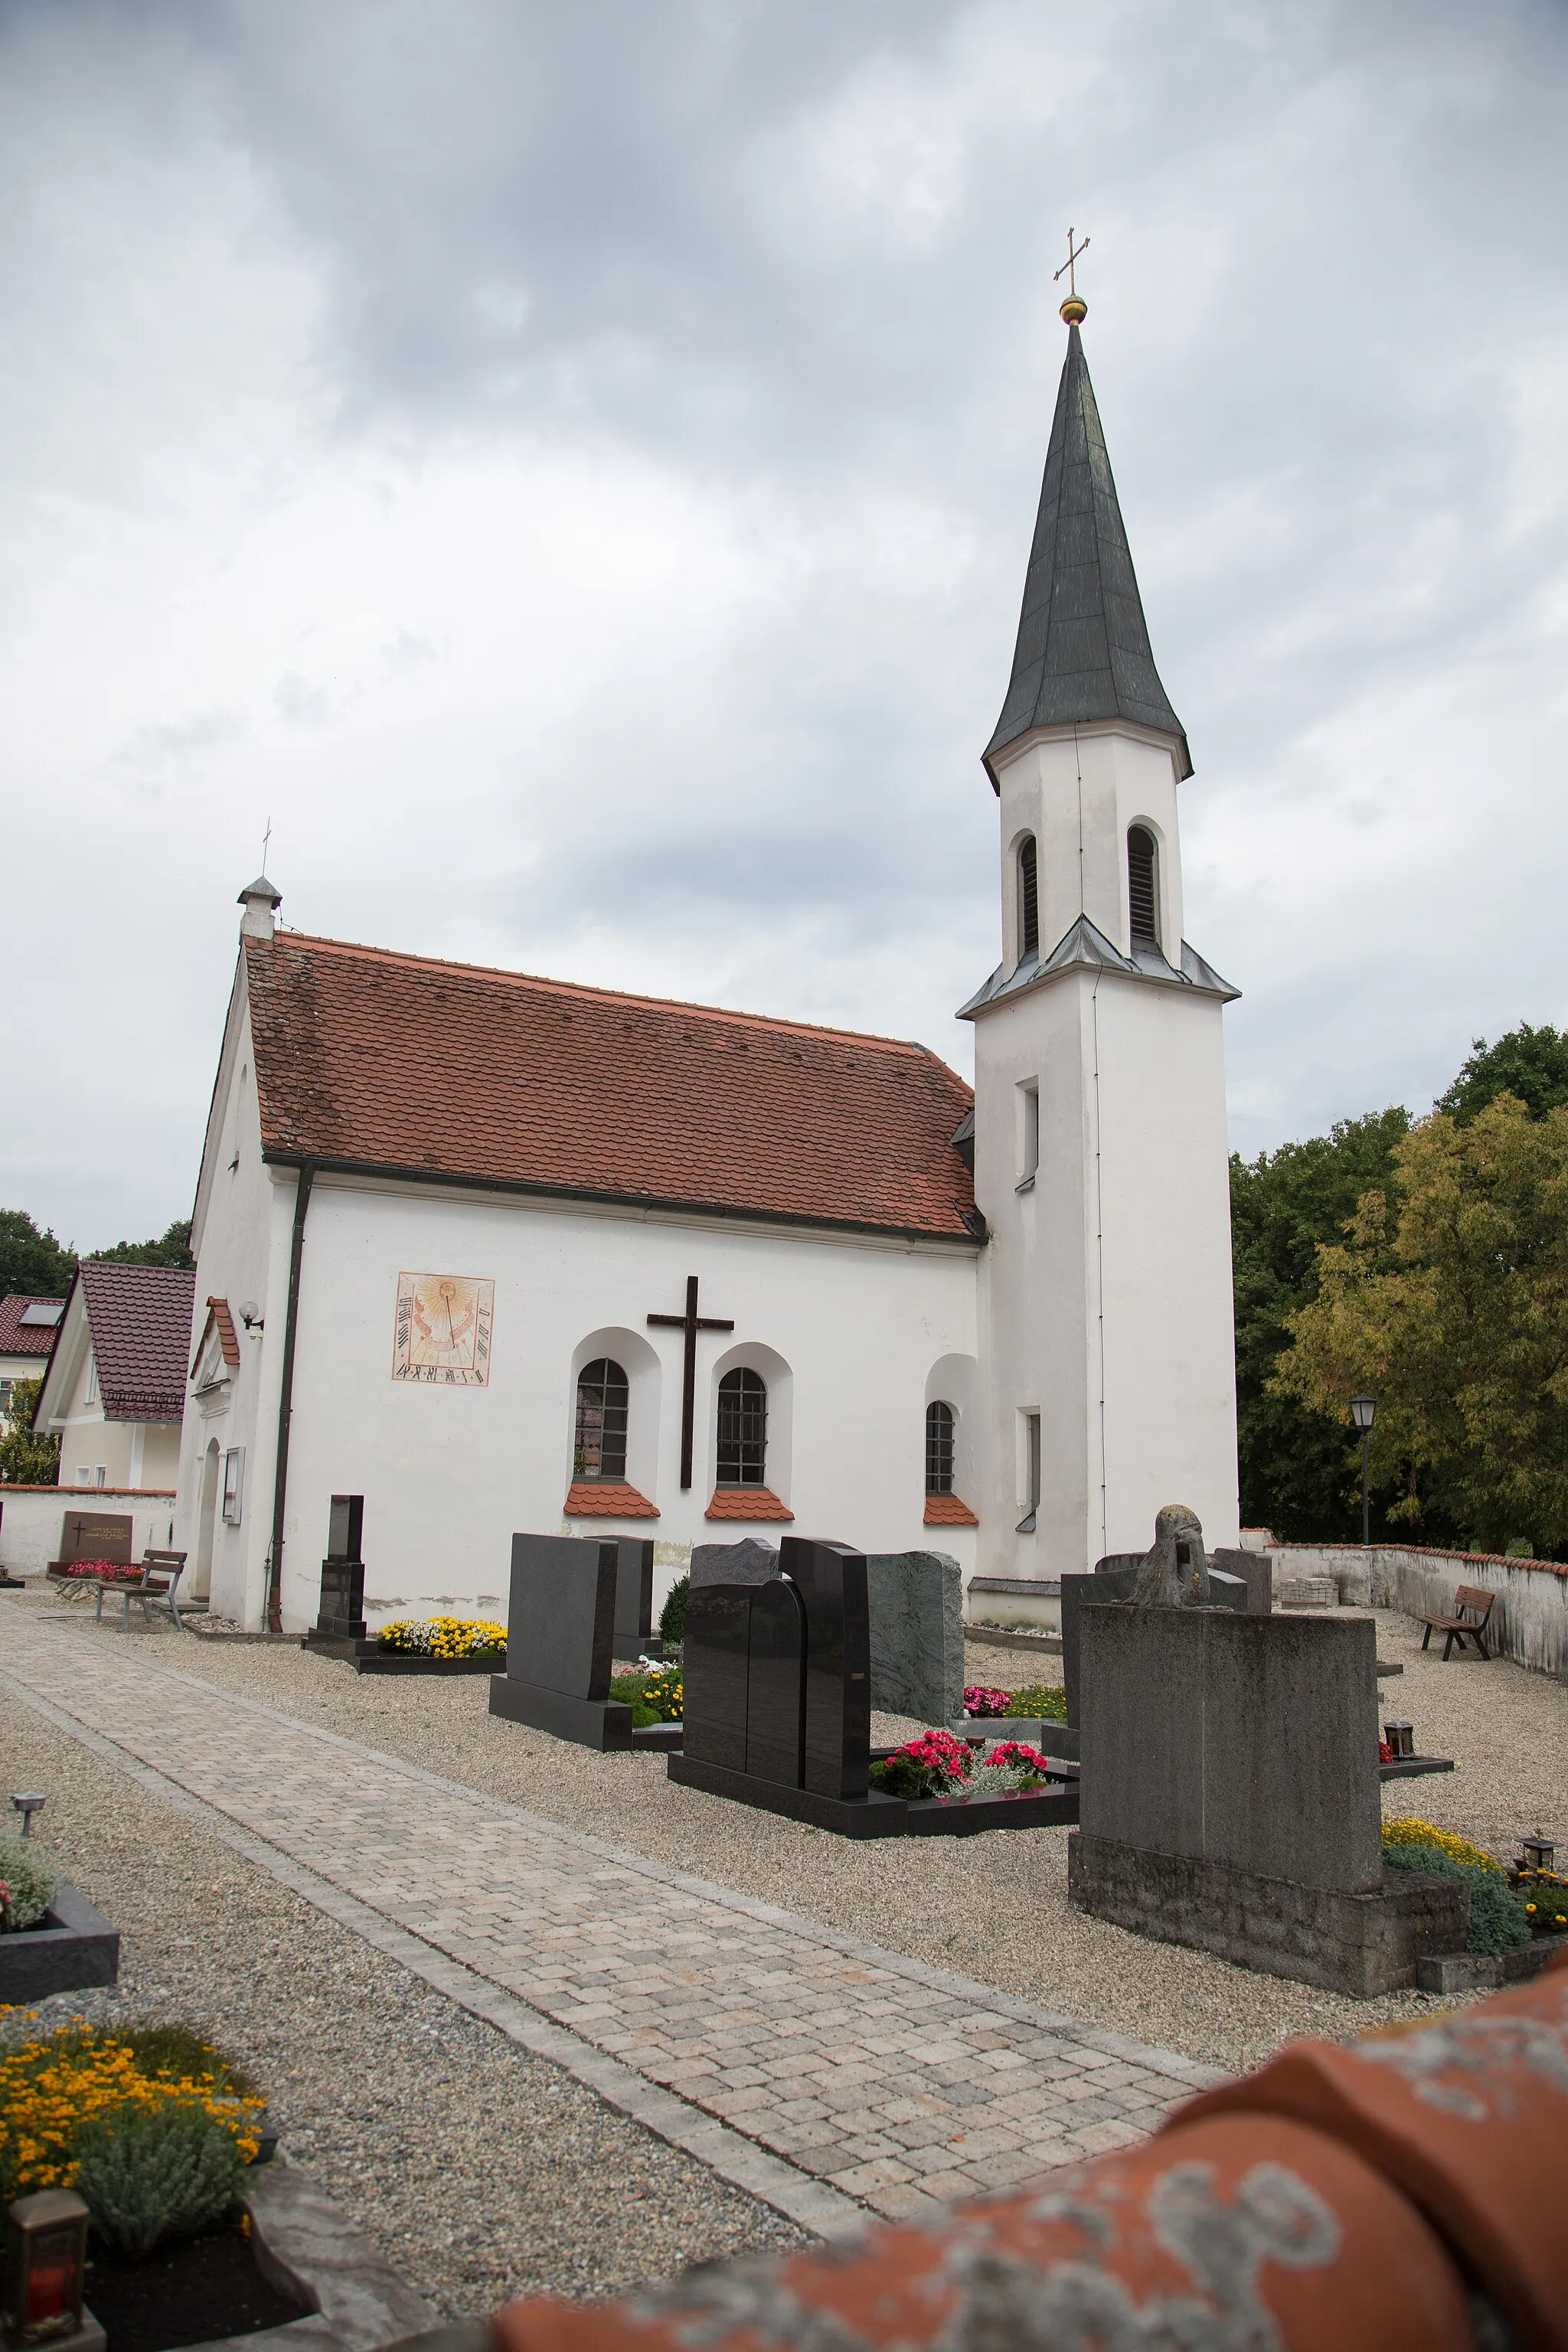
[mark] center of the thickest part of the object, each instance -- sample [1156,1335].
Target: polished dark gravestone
[634,1595]
[340,1628]
[560,1641]
[778,1704]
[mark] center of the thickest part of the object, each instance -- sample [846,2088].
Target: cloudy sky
[571,466]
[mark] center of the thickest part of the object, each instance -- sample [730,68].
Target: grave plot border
[876,1816]
[76,1951]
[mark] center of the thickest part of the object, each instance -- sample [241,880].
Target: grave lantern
[45,2266]
[27,1802]
[1537,1853]
[1363,1412]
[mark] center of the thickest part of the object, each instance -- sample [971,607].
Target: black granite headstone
[342,1615]
[345,1527]
[560,1641]
[714,1674]
[634,1595]
[832,1580]
[775,1687]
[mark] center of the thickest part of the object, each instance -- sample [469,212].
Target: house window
[89,1393]
[1142,886]
[98,1475]
[604,1409]
[233,1484]
[743,1428]
[5,1400]
[1028,1135]
[941,1424]
[1028,899]
[1031,1470]
[84,1474]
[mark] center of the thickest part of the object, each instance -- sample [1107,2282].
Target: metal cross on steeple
[1068,266]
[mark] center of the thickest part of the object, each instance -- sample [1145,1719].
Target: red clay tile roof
[947,1511]
[746,1503]
[393,1062]
[140,1318]
[227,1337]
[587,1499]
[20,1338]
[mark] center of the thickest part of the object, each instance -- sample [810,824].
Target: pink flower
[979,1700]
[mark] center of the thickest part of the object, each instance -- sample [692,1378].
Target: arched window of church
[603,1411]
[1144,886]
[743,1428]
[941,1423]
[1028,899]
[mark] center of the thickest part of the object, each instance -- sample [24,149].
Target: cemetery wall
[31,1518]
[1529,1617]
[449,1473]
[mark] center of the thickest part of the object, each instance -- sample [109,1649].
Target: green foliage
[1044,1702]
[152,2173]
[28,1457]
[1448,1297]
[1300,1468]
[672,1616]
[1518,1548]
[27,1882]
[31,1261]
[655,1696]
[900,1776]
[1499,1921]
[1530,1064]
[171,1248]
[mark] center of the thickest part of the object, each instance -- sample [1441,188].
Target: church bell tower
[1100,1158]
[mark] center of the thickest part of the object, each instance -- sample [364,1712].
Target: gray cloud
[636,414]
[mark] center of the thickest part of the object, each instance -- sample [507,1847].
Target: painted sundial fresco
[443,1333]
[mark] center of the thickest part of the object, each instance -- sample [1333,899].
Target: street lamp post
[1363,1412]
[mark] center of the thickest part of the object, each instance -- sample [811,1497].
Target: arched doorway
[212,1474]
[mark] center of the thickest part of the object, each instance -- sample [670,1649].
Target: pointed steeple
[1083,644]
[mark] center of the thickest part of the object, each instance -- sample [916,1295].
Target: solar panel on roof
[43,1310]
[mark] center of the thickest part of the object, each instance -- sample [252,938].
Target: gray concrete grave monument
[750,1561]
[1229,1795]
[571,1599]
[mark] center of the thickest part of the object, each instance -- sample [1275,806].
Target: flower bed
[655,1696]
[938,1765]
[1037,1702]
[435,1645]
[103,1572]
[1498,1919]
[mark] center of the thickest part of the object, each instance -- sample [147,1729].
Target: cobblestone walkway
[855,2067]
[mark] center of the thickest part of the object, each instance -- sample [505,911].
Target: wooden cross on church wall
[690,1323]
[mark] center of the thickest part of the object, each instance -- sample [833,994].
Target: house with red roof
[27,1327]
[500,1253]
[114,1391]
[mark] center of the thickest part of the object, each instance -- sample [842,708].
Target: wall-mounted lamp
[251,1317]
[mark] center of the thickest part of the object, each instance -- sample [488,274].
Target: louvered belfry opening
[1028,899]
[1142,894]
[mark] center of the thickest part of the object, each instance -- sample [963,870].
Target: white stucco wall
[32,1519]
[845,1332]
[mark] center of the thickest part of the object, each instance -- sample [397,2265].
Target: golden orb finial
[1075,310]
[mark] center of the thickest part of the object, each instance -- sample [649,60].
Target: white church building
[499,1253]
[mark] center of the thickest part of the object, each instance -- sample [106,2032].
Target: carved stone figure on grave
[1174,1571]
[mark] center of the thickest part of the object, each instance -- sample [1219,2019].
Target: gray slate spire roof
[1083,643]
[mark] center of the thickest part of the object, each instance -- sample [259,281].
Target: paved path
[833,2070]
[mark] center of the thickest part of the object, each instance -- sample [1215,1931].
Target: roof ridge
[581,989]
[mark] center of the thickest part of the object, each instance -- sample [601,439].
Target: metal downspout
[286,1403]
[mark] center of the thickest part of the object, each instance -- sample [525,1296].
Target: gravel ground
[994,1907]
[483,2172]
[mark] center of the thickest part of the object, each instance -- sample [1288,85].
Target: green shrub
[1499,1921]
[1047,1701]
[152,2173]
[655,1696]
[900,1776]
[672,1616]
[178,2053]
[27,1882]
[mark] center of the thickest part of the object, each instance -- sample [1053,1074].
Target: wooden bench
[169,1565]
[153,1583]
[1473,1605]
